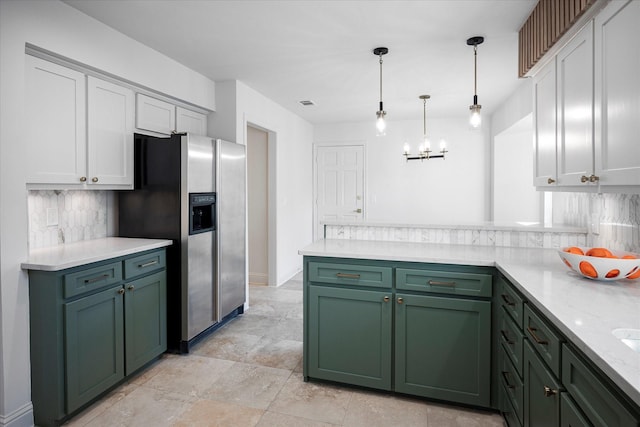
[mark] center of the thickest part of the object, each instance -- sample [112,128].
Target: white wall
[257,205]
[54,26]
[290,153]
[454,190]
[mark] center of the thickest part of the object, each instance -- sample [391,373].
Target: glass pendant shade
[381,123]
[475,119]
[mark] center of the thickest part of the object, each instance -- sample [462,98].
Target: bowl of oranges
[601,263]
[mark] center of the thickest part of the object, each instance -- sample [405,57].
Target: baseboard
[21,417]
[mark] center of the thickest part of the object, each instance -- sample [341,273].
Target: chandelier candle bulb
[406,148]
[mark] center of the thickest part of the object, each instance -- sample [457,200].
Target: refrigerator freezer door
[231,203]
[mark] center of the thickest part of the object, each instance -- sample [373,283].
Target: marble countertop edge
[524,227]
[74,254]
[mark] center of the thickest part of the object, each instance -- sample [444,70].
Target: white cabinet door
[155,115]
[544,119]
[617,93]
[190,121]
[110,134]
[55,135]
[575,109]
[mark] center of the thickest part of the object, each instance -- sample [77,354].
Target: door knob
[584,178]
[550,181]
[358,210]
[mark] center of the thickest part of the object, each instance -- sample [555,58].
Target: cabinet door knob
[550,181]
[120,291]
[400,300]
[386,298]
[548,392]
[94,179]
[130,287]
[584,178]
[594,178]
[83,179]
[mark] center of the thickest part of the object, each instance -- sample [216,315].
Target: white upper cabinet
[155,115]
[56,134]
[617,94]
[574,72]
[81,134]
[544,118]
[190,121]
[110,134]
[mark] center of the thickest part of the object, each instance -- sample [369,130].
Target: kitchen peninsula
[582,312]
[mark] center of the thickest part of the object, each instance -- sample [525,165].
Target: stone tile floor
[249,373]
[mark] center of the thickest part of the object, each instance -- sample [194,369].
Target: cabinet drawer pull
[347,276]
[506,337]
[96,279]
[532,332]
[148,264]
[438,283]
[120,291]
[505,377]
[386,298]
[548,392]
[506,299]
[131,287]
[400,300]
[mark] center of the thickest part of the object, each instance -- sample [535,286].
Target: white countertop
[87,251]
[586,311]
[486,225]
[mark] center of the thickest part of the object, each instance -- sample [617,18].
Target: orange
[629,257]
[612,274]
[574,250]
[587,269]
[635,275]
[600,252]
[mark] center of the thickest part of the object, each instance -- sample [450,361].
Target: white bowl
[600,268]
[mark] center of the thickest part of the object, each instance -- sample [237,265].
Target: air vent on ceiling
[307,103]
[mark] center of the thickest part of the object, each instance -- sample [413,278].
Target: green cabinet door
[443,348]
[93,345]
[349,336]
[541,392]
[145,320]
[570,415]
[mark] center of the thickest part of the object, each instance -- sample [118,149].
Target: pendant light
[381,123]
[475,120]
[424,151]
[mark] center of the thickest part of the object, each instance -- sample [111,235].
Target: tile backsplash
[613,220]
[81,215]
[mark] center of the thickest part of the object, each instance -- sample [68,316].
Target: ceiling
[322,50]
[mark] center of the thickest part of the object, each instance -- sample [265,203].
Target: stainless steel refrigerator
[191,189]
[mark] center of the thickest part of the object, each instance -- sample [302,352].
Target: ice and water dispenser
[202,209]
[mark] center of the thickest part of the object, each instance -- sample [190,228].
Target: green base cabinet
[443,348]
[91,326]
[412,328]
[350,336]
[541,392]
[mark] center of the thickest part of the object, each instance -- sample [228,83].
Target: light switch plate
[52,217]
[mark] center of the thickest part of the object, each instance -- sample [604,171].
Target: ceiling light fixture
[425,147]
[381,124]
[475,120]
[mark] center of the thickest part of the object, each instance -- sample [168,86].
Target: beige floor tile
[251,325]
[275,294]
[288,329]
[227,344]
[212,413]
[283,354]
[248,385]
[144,407]
[274,419]
[373,409]
[190,374]
[314,401]
[453,416]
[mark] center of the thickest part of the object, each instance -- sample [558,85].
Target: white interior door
[339,184]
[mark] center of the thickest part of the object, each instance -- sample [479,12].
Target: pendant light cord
[424,117]
[381,82]
[475,74]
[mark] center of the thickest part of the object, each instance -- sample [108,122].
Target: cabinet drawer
[444,282]
[543,339]
[145,263]
[513,386]
[511,301]
[508,412]
[598,403]
[91,279]
[512,340]
[350,274]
